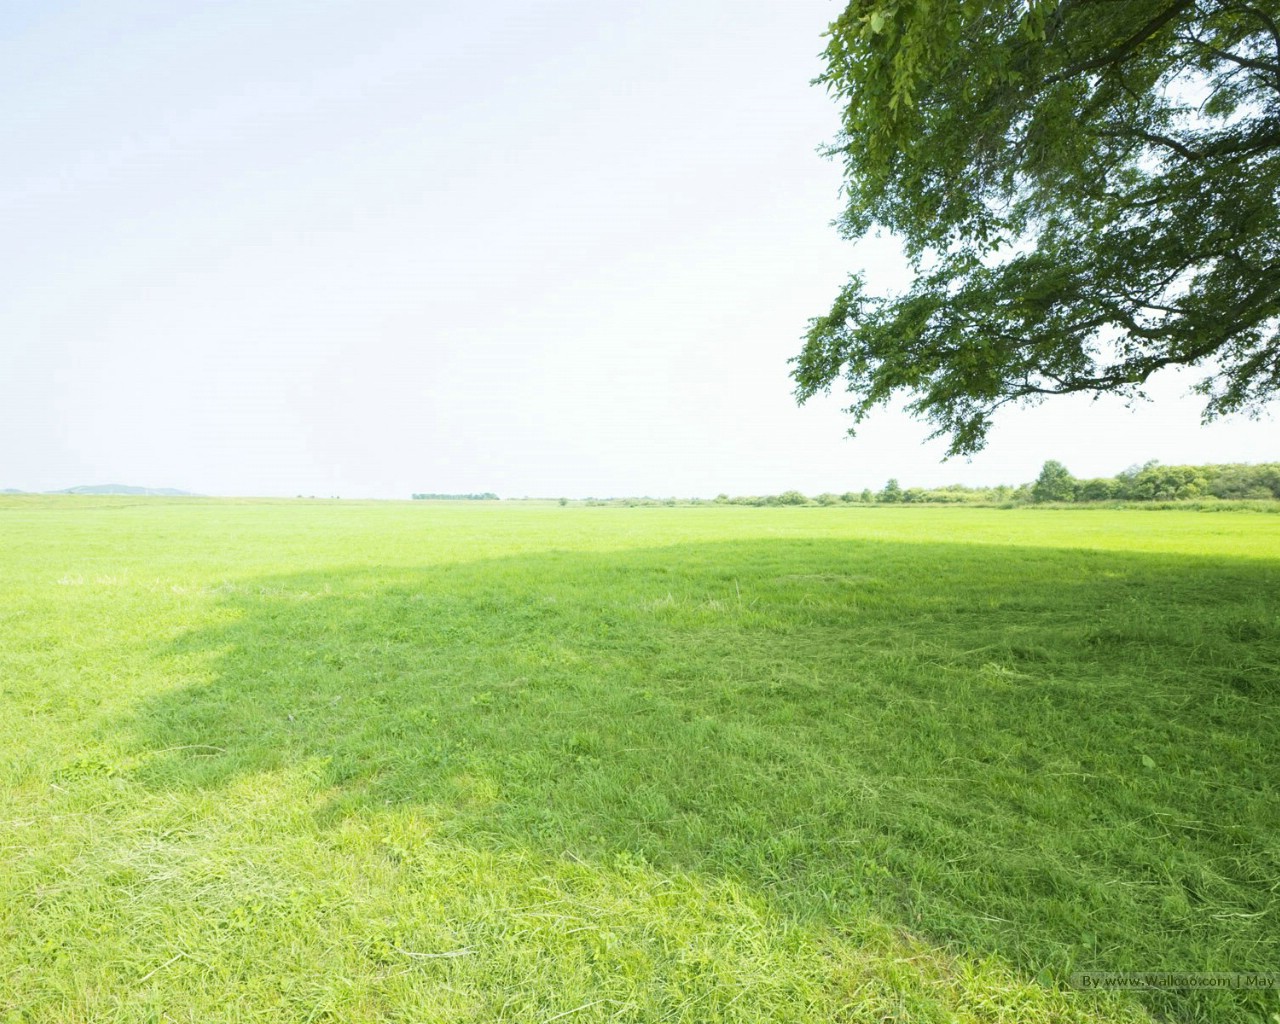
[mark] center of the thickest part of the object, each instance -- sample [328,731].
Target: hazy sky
[376,247]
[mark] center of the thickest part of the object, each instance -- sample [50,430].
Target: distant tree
[1101,489]
[1155,482]
[1239,481]
[1126,480]
[1089,192]
[892,491]
[1055,483]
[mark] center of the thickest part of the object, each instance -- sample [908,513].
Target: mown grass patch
[390,762]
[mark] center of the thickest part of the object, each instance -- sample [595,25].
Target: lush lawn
[408,762]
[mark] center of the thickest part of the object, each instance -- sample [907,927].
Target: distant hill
[157,492]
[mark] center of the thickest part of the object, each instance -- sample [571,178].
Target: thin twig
[191,746]
[171,960]
[465,951]
[566,1013]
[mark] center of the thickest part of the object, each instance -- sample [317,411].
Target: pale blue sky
[376,247]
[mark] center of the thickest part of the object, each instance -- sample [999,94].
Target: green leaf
[972,120]
[1147,762]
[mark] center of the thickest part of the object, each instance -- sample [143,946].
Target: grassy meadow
[415,762]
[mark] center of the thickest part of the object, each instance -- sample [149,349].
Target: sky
[374,247]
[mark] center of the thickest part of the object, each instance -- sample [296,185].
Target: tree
[1155,482]
[892,491]
[1098,489]
[1055,483]
[1088,190]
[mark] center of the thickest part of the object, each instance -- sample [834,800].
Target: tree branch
[1125,49]
[1158,140]
[1268,22]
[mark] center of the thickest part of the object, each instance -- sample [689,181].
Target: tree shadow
[1063,758]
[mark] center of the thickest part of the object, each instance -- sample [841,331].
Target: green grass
[309,761]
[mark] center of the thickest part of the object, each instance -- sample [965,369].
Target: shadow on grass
[1066,759]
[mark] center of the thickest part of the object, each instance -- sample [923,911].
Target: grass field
[308,761]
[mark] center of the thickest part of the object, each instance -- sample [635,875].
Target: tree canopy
[1088,190]
[1055,483]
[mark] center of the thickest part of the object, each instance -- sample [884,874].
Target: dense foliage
[1089,191]
[486,496]
[1151,482]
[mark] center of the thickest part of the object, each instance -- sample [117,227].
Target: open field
[422,762]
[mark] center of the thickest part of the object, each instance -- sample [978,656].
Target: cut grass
[382,762]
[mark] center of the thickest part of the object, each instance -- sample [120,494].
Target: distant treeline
[487,496]
[1154,482]
[1151,482]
